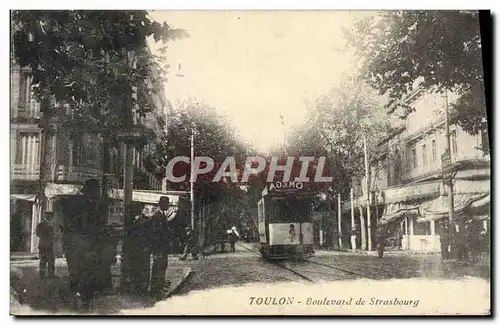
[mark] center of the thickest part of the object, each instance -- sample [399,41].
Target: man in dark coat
[45,231]
[444,238]
[159,242]
[381,238]
[140,252]
[86,245]
[460,240]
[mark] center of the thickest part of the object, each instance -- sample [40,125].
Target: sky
[255,65]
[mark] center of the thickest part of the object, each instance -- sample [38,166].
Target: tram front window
[289,209]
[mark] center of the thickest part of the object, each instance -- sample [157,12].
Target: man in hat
[93,274]
[381,236]
[159,241]
[93,216]
[45,231]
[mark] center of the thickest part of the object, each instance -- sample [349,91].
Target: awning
[25,197]
[144,196]
[461,186]
[53,189]
[480,207]
[438,208]
[395,211]
[412,192]
[148,197]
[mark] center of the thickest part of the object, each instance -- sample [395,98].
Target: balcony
[25,172]
[77,174]
[422,171]
[435,167]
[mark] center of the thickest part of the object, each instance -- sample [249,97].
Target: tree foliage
[85,60]
[214,138]
[438,50]
[339,122]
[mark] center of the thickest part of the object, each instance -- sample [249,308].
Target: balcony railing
[435,166]
[28,110]
[25,172]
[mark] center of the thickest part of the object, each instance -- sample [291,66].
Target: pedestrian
[233,237]
[474,243]
[140,251]
[400,239]
[381,240]
[189,244]
[45,231]
[159,242]
[444,238]
[87,250]
[483,243]
[460,243]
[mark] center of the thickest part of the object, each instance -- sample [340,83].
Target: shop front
[418,209]
[401,213]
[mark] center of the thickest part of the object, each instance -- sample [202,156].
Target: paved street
[244,267]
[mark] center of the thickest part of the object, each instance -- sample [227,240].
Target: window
[424,155]
[413,163]
[27,149]
[453,140]
[24,89]
[76,153]
[434,150]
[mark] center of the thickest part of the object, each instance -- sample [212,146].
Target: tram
[285,222]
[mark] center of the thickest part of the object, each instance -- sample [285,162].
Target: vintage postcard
[249,163]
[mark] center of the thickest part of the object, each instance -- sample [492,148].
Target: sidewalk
[54,296]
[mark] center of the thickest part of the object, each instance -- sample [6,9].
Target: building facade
[73,160]
[407,189]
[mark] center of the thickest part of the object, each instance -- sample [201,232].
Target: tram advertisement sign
[285,186]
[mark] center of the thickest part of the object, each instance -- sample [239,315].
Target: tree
[340,122]
[94,63]
[214,138]
[436,50]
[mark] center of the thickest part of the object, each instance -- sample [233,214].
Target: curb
[186,273]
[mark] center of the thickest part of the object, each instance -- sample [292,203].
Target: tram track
[306,275]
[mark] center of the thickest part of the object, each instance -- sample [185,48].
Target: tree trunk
[46,159]
[331,225]
[363,229]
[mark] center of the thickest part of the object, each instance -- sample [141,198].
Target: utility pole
[192,179]
[284,134]
[128,179]
[353,225]
[368,201]
[447,177]
[340,220]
